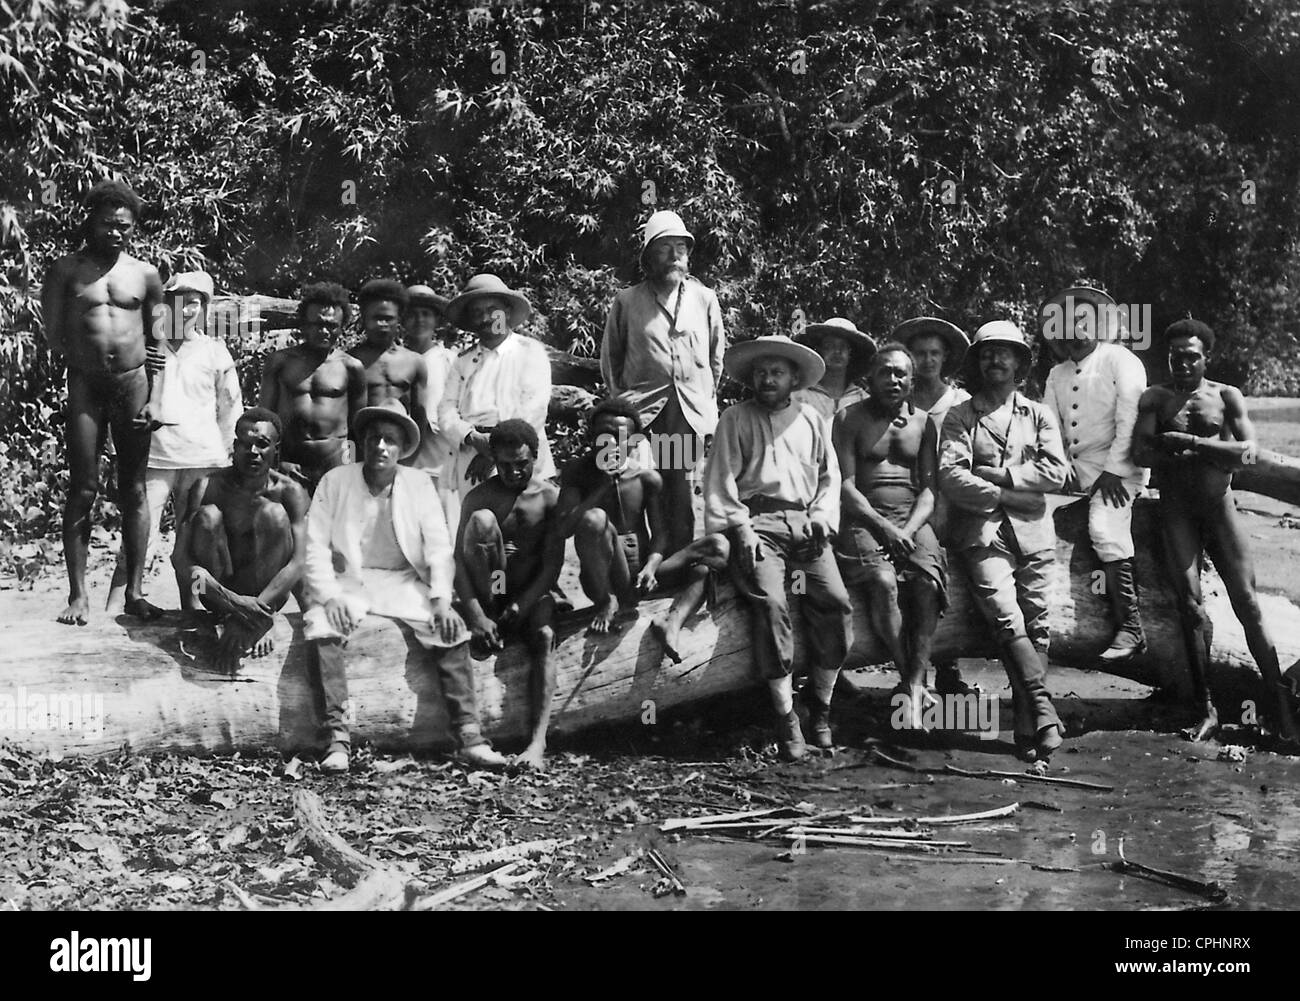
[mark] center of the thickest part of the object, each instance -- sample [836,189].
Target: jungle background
[868,159]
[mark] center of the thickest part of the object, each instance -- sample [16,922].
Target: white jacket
[334,521]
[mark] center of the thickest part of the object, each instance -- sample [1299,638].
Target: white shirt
[1095,402]
[486,387]
[200,389]
[434,447]
[825,404]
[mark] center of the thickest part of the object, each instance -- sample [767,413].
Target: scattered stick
[245,901]
[678,823]
[969,818]
[1212,891]
[987,773]
[436,900]
[744,793]
[617,869]
[660,863]
[510,853]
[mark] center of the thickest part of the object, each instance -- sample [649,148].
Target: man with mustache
[887,450]
[1094,390]
[505,376]
[377,545]
[662,350]
[315,388]
[242,549]
[999,453]
[1194,433]
[772,487]
[98,305]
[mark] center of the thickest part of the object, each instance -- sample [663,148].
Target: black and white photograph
[599,455]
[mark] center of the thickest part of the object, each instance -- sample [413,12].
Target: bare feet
[1206,728]
[77,613]
[262,648]
[531,759]
[116,603]
[603,620]
[141,608]
[667,634]
[918,698]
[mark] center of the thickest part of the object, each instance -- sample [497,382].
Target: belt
[767,505]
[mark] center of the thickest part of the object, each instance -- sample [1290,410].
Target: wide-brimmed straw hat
[664,223]
[996,332]
[423,295]
[953,337]
[190,281]
[389,410]
[861,344]
[739,359]
[482,286]
[1075,294]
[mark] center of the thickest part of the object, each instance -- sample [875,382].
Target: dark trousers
[454,672]
[825,607]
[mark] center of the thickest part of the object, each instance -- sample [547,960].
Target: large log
[158,694]
[1271,474]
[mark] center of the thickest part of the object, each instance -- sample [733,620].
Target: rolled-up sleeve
[722,506]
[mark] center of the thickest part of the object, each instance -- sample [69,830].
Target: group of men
[405,479]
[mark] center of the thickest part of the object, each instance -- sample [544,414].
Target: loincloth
[631,544]
[859,554]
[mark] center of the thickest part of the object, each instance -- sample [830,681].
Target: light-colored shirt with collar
[487,386]
[784,455]
[826,404]
[435,450]
[200,391]
[644,356]
[1095,402]
[341,526]
[1020,436]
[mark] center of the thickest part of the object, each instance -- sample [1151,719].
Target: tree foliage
[867,158]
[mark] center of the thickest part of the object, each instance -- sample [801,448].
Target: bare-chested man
[393,371]
[1193,433]
[887,448]
[98,305]
[244,547]
[613,506]
[509,553]
[315,388]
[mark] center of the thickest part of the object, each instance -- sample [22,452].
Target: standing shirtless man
[244,547]
[888,453]
[98,304]
[508,557]
[393,371]
[315,388]
[1193,433]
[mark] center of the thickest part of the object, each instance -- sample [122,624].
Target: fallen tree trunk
[1271,474]
[125,684]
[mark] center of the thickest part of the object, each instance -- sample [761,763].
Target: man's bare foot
[1206,728]
[604,617]
[76,614]
[231,647]
[116,602]
[667,636]
[531,759]
[262,648]
[917,700]
[141,608]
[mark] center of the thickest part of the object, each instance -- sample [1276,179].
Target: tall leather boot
[1122,588]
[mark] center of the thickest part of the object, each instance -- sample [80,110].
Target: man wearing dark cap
[662,350]
[99,305]
[393,371]
[1194,433]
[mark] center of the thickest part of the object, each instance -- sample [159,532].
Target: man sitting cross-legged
[243,546]
[613,506]
[509,553]
[377,544]
[888,452]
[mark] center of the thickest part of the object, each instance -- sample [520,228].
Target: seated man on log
[613,506]
[377,544]
[888,454]
[1193,433]
[393,371]
[315,387]
[244,545]
[98,305]
[772,485]
[509,553]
